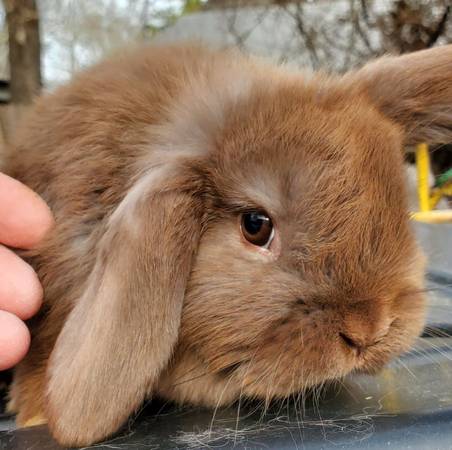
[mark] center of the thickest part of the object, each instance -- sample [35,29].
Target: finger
[14,340]
[20,290]
[24,217]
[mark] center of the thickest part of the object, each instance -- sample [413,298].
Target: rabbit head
[330,280]
[257,243]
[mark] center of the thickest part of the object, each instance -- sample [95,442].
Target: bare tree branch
[439,30]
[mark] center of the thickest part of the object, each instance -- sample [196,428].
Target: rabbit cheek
[234,294]
[300,352]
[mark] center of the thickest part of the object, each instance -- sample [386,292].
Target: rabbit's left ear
[122,331]
[413,90]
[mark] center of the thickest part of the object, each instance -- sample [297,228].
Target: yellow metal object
[437,216]
[436,196]
[423,173]
[438,193]
[429,198]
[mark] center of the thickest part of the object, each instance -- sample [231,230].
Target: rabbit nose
[363,338]
[351,342]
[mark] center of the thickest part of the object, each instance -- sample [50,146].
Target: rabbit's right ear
[122,331]
[412,90]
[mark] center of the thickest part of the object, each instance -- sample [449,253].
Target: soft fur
[147,161]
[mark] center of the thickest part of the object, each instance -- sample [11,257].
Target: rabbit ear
[413,90]
[122,331]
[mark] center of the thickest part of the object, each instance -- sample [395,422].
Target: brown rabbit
[223,228]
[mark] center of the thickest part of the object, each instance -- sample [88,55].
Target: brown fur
[147,161]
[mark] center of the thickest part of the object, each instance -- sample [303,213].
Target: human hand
[24,220]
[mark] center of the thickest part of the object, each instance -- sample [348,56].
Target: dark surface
[407,406]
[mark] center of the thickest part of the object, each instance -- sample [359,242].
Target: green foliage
[192,6]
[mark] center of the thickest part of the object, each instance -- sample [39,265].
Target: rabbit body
[150,161]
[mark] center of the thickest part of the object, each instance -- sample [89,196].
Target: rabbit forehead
[283,146]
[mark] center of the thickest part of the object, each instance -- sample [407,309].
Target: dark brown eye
[257,228]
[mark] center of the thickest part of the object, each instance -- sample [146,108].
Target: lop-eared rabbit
[224,228]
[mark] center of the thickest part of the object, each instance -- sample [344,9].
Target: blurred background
[43,42]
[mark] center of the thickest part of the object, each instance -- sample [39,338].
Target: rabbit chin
[275,372]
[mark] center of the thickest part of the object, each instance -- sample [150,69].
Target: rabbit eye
[257,228]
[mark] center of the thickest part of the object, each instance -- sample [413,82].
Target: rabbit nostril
[350,342]
[229,370]
[300,301]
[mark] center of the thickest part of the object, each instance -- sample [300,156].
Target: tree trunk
[24,50]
